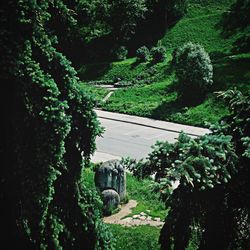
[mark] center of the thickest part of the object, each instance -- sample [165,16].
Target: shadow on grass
[136,63]
[175,106]
[232,72]
[236,22]
[94,71]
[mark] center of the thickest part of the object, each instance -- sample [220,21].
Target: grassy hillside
[126,70]
[200,25]
[159,99]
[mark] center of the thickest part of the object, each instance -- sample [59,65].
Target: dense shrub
[194,71]
[49,131]
[142,54]
[121,53]
[212,173]
[158,53]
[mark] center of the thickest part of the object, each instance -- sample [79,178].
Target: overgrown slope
[159,100]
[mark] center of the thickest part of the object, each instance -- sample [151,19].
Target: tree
[48,134]
[127,14]
[213,176]
[175,9]
[194,71]
[158,54]
[142,53]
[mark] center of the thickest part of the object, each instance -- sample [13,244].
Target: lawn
[136,238]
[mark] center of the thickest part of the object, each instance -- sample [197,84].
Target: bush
[158,53]
[194,71]
[142,54]
[121,53]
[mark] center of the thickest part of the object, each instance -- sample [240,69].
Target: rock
[111,201]
[149,218]
[111,175]
[136,216]
[143,214]
[142,217]
[158,219]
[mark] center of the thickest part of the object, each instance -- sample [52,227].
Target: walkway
[135,220]
[133,136]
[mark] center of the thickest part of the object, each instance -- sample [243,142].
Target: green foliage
[124,16]
[194,71]
[200,25]
[91,18]
[158,54]
[141,191]
[136,238]
[96,18]
[199,163]
[212,174]
[49,133]
[142,54]
[121,53]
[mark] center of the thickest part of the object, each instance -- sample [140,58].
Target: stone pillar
[111,175]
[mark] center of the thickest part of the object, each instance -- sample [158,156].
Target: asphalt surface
[134,136]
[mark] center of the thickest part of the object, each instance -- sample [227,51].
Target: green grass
[211,110]
[140,237]
[125,70]
[96,92]
[159,100]
[232,71]
[136,238]
[139,100]
[200,25]
[139,190]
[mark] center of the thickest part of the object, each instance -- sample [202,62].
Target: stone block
[111,175]
[111,201]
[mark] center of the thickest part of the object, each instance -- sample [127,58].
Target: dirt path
[135,220]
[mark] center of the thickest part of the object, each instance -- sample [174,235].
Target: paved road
[133,136]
